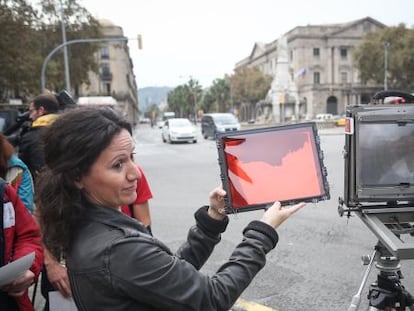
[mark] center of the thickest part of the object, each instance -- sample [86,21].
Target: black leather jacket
[115,264]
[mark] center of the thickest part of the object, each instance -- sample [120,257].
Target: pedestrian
[42,111]
[139,209]
[20,236]
[16,173]
[113,262]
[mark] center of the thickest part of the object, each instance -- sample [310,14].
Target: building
[116,78]
[313,71]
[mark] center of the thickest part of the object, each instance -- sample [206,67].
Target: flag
[301,73]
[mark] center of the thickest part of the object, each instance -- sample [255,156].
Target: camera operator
[42,111]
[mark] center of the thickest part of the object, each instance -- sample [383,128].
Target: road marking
[251,306]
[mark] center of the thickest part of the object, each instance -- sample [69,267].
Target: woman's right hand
[277,214]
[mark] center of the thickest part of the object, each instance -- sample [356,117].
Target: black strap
[131,209]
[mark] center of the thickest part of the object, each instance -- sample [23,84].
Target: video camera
[65,100]
[379,169]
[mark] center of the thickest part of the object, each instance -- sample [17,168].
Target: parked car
[178,129]
[323,117]
[212,123]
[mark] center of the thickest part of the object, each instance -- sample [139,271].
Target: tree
[29,33]
[79,24]
[219,92]
[184,99]
[370,57]
[195,93]
[178,100]
[249,85]
[17,57]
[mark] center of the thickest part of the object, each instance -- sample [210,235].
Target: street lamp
[64,44]
[65,50]
[386,48]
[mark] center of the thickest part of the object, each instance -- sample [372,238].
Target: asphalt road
[316,265]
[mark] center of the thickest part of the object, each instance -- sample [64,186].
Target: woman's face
[112,179]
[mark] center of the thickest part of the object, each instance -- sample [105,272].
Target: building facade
[313,70]
[116,77]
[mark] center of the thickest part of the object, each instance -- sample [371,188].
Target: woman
[113,262]
[15,172]
[19,236]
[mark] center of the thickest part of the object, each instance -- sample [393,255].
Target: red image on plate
[280,165]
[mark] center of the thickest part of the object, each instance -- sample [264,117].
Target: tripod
[386,293]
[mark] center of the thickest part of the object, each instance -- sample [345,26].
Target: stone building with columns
[313,71]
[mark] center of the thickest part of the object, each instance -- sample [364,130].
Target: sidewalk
[337,130]
[323,128]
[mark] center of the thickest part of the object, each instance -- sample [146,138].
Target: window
[316,52]
[106,70]
[344,53]
[105,52]
[317,77]
[366,27]
[107,88]
[344,77]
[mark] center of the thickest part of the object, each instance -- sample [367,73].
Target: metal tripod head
[387,292]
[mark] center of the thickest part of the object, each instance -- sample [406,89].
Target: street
[316,265]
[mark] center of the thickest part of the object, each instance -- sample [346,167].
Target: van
[213,123]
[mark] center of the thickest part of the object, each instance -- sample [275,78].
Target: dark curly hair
[71,146]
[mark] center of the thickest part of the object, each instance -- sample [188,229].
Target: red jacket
[22,236]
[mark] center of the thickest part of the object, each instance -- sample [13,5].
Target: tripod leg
[356,300]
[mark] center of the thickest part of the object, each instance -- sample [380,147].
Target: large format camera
[379,188]
[379,169]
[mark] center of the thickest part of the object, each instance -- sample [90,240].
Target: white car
[178,129]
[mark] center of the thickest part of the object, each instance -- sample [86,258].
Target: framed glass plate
[282,163]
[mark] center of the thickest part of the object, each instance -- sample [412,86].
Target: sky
[183,39]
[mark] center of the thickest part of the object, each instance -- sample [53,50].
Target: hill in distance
[148,96]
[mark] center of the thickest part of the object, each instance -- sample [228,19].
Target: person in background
[139,209]
[42,111]
[113,262]
[15,172]
[21,236]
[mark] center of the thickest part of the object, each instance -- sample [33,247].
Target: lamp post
[386,48]
[65,50]
[64,44]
